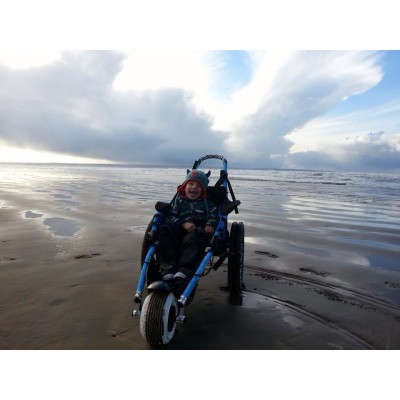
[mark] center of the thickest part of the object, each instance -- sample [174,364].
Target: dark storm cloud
[70,107]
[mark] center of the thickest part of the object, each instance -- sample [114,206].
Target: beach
[321,266]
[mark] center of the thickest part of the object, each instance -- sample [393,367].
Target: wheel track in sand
[331,291]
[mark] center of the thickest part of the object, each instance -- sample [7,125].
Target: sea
[324,213]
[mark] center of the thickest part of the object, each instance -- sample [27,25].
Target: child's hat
[198,176]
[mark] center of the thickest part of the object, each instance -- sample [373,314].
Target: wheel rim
[169,320]
[172,318]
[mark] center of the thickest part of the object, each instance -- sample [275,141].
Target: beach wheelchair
[164,305]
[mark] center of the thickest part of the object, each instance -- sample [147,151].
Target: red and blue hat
[198,176]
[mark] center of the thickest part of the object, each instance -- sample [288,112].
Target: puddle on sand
[62,226]
[31,214]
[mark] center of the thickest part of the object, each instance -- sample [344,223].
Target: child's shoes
[167,272]
[180,277]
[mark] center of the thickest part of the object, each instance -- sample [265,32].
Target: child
[190,224]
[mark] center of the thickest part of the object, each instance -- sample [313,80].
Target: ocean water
[355,215]
[350,216]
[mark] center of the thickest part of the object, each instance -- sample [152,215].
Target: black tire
[236,258]
[152,271]
[158,318]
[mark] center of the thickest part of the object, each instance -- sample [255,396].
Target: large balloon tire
[158,318]
[236,258]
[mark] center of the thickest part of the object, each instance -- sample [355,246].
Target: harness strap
[224,176]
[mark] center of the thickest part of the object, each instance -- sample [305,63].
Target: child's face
[193,190]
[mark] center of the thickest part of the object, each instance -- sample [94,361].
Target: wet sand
[71,286]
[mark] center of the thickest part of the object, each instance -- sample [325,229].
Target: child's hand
[189,226]
[209,229]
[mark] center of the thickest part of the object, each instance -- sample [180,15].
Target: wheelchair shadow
[217,320]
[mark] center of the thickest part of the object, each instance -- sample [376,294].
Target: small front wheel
[158,318]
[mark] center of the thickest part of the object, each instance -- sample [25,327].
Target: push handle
[208,157]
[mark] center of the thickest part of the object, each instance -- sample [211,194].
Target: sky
[292,89]
[312,109]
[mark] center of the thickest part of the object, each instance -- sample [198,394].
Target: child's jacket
[201,212]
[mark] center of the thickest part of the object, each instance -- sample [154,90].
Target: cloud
[71,107]
[170,108]
[291,89]
[374,151]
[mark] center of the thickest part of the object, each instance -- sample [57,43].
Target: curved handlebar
[208,157]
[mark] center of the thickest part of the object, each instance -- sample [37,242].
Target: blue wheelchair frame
[220,233]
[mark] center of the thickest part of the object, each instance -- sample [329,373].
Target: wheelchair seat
[217,194]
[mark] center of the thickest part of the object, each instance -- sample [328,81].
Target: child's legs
[169,238]
[192,251]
